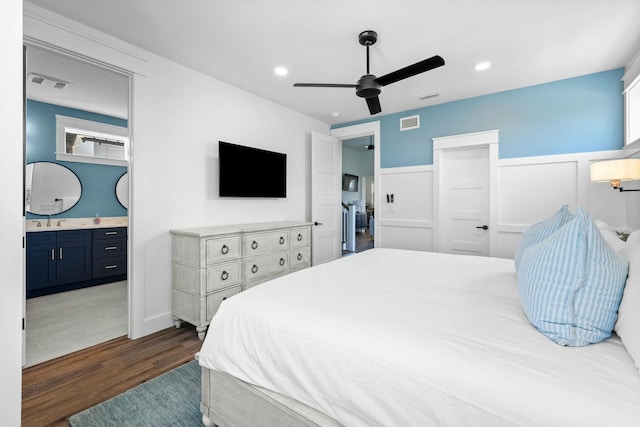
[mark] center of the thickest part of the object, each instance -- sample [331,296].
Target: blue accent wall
[98,181]
[574,115]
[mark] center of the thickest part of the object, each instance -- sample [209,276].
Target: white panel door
[465,197]
[326,193]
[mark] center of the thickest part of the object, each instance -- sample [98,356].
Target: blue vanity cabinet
[56,258]
[74,256]
[64,260]
[41,261]
[109,252]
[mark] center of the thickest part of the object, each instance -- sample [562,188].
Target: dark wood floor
[53,391]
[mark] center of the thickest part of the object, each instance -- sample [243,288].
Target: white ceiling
[241,42]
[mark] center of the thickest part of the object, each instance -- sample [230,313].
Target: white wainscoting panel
[532,192]
[407,221]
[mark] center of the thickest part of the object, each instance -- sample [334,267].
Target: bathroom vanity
[74,254]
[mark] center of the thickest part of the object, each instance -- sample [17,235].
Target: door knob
[484,227]
[317,223]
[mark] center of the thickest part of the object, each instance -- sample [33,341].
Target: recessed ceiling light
[428,95]
[335,114]
[482,66]
[281,71]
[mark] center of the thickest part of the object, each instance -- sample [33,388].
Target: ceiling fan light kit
[369,86]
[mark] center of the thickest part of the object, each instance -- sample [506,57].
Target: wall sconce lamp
[615,171]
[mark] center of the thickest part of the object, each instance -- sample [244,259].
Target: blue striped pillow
[541,230]
[571,284]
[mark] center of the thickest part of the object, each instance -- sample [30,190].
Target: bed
[391,337]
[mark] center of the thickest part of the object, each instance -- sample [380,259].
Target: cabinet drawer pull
[110,248]
[110,233]
[281,261]
[254,245]
[254,269]
[299,257]
[224,275]
[299,237]
[53,254]
[60,253]
[109,267]
[225,249]
[281,240]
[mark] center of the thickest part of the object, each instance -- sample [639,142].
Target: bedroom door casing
[465,205]
[326,195]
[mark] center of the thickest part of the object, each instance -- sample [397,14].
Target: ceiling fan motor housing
[368,87]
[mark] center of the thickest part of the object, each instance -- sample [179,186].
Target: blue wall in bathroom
[98,181]
[574,115]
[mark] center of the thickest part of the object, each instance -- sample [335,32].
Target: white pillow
[610,235]
[628,324]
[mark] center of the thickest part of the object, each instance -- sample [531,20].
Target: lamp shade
[616,170]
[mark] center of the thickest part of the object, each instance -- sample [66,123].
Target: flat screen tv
[251,172]
[349,182]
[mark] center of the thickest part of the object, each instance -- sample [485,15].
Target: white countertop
[57,224]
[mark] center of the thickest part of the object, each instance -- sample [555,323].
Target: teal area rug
[171,399]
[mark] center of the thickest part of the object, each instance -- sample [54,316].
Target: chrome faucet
[49,222]
[59,222]
[38,224]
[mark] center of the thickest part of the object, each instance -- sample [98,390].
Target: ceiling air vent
[411,122]
[43,80]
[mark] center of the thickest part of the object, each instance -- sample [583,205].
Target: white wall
[529,190]
[177,117]
[11,252]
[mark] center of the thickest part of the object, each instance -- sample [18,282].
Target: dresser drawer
[214,300]
[108,248]
[109,267]
[300,258]
[259,267]
[223,249]
[260,243]
[109,233]
[223,276]
[299,237]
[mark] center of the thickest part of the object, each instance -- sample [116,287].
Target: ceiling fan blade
[323,85]
[411,70]
[374,105]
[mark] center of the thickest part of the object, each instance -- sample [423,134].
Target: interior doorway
[358,194]
[68,320]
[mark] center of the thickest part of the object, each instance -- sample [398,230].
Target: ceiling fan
[369,86]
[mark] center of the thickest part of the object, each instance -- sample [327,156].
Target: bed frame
[230,402]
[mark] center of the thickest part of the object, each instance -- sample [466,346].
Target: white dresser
[211,264]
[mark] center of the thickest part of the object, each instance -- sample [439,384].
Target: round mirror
[50,188]
[122,190]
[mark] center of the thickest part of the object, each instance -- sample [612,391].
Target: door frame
[472,140]
[76,55]
[356,131]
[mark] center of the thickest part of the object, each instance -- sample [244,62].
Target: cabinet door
[41,266]
[74,261]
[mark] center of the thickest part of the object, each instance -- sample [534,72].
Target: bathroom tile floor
[62,323]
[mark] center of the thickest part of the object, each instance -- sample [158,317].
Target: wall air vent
[411,122]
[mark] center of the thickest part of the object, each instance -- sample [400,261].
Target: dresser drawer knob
[225,249]
[299,257]
[254,269]
[281,261]
[254,245]
[224,275]
[281,240]
[299,237]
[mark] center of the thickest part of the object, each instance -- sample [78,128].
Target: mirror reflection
[50,188]
[122,190]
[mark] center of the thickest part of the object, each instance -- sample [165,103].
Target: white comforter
[405,338]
